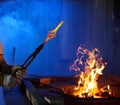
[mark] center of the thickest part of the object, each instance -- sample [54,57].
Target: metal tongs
[29,60]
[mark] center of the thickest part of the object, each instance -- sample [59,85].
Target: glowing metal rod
[58,26]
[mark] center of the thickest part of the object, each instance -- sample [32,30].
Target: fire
[89,64]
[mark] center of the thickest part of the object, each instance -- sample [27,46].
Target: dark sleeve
[6,69]
[1,79]
[2,61]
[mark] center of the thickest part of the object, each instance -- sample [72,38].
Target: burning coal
[89,65]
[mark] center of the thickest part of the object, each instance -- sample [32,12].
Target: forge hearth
[57,90]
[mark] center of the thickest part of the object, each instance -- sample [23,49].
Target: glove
[17,74]
[18,71]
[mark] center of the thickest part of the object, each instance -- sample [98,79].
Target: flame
[90,65]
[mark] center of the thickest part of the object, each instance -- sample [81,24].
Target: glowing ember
[90,65]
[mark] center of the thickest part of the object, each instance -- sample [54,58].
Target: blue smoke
[24,24]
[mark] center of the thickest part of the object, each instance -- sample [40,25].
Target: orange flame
[90,65]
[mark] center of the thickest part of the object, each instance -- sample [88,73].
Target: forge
[88,87]
[58,90]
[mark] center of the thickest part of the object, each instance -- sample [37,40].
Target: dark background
[24,24]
